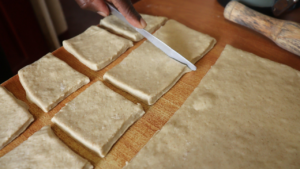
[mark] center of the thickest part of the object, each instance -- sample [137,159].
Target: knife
[156,42]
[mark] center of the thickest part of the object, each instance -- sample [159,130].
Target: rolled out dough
[96,47]
[15,117]
[49,80]
[43,150]
[98,117]
[148,73]
[117,26]
[245,113]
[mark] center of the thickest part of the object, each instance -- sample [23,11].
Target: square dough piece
[148,73]
[15,117]
[50,80]
[245,113]
[96,47]
[43,150]
[98,117]
[115,25]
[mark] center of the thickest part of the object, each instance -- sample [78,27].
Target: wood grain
[203,16]
[285,34]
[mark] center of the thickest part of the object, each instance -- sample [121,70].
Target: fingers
[131,15]
[98,6]
[124,6]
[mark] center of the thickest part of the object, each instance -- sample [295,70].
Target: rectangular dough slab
[245,113]
[96,47]
[115,25]
[98,117]
[148,73]
[50,80]
[43,150]
[14,117]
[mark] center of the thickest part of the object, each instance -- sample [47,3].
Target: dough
[98,117]
[245,113]
[49,80]
[117,26]
[15,117]
[148,73]
[43,150]
[96,48]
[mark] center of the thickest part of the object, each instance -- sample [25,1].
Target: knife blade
[155,41]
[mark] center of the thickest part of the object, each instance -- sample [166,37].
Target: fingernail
[102,13]
[143,23]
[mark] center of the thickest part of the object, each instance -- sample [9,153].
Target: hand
[124,6]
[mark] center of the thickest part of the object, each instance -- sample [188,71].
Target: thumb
[131,15]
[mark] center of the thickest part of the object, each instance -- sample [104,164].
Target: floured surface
[96,47]
[116,25]
[43,150]
[49,80]
[148,73]
[245,113]
[15,117]
[98,117]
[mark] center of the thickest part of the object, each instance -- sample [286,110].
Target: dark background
[21,40]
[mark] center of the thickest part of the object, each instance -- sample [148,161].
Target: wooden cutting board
[204,16]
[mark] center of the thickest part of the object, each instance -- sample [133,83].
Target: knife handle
[285,34]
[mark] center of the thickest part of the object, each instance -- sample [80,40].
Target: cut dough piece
[98,117]
[43,150]
[148,73]
[96,47]
[117,26]
[15,117]
[245,113]
[49,80]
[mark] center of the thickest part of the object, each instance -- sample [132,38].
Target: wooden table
[204,16]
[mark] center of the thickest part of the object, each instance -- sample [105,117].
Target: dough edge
[106,147]
[145,98]
[133,37]
[94,66]
[24,126]
[33,99]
